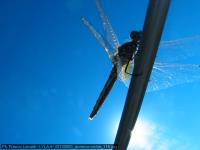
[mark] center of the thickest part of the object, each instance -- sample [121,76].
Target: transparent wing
[111,35]
[123,76]
[182,41]
[104,43]
[168,75]
[175,50]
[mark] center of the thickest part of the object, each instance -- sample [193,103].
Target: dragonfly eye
[135,35]
[132,35]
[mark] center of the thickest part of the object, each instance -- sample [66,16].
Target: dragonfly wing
[166,75]
[176,50]
[104,43]
[111,35]
[181,41]
[125,76]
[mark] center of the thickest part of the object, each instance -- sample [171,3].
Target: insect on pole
[152,31]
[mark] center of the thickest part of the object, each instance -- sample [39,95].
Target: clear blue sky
[52,70]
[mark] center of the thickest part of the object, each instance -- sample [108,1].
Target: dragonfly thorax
[125,52]
[128,50]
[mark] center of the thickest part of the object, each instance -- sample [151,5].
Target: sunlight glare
[142,135]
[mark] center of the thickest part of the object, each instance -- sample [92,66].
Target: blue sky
[52,71]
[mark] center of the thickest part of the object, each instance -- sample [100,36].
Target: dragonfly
[166,71]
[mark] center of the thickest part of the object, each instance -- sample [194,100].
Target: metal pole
[152,31]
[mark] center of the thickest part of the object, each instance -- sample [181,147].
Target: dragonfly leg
[132,74]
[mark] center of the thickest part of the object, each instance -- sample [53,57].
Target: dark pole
[152,31]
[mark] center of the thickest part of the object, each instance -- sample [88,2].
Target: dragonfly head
[136,35]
